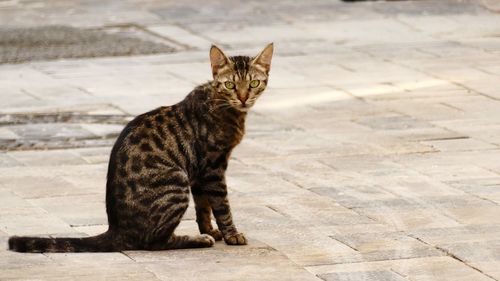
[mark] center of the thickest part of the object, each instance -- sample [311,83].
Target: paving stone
[5,133]
[323,214]
[183,36]
[104,130]
[279,99]
[44,131]
[395,244]
[393,122]
[98,155]
[492,5]
[432,268]
[423,109]
[85,177]
[75,210]
[53,93]
[353,196]
[474,252]
[477,215]
[476,107]
[90,259]
[302,246]
[8,161]
[409,219]
[462,236]
[47,158]
[23,44]
[91,230]
[473,127]
[56,271]
[487,189]
[19,217]
[11,261]
[260,261]
[455,172]
[29,187]
[363,275]
[488,268]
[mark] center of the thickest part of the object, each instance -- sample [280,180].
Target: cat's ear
[264,58]
[217,59]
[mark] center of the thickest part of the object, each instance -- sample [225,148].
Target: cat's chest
[226,138]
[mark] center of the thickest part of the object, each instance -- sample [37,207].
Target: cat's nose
[243,99]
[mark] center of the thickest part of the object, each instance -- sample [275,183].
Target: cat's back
[162,135]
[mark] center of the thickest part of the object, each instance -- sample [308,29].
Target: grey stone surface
[373,155]
[55,42]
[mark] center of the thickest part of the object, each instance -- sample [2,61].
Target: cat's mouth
[243,107]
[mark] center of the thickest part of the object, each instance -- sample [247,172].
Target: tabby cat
[163,154]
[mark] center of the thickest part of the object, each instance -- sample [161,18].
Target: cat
[163,154]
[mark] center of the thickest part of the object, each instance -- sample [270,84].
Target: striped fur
[164,154]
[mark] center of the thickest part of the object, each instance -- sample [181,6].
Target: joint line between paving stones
[128,256]
[277,211]
[348,93]
[447,138]
[400,274]
[342,242]
[345,67]
[484,71]
[202,36]
[119,109]
[450,254]
[30,94]
[427,53]
[82,225]
[85,91]
[416,29]
[181,77]
[482,198]
[471,90]
[47,256]
[292,182]
[364,261]
[451,106]
[144,29]
[474,47]
[335,87]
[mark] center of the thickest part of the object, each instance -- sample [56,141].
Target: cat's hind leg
[187,241]
[183,242]
[166,201]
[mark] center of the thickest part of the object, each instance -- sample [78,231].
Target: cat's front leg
[216,191]
[203,214]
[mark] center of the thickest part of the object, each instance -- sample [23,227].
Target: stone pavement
[374,154]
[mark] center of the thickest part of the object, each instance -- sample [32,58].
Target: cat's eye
[254,83]
[230,85]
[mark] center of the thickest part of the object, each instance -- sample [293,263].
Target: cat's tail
[99,243]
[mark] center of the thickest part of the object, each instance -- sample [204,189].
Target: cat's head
[240,80]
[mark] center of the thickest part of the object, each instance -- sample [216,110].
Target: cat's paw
[206,240]
[216,234]
[236,239]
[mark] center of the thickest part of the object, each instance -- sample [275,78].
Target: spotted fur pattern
[164,154]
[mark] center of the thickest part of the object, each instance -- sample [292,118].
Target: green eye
[229,85]
[254,83]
